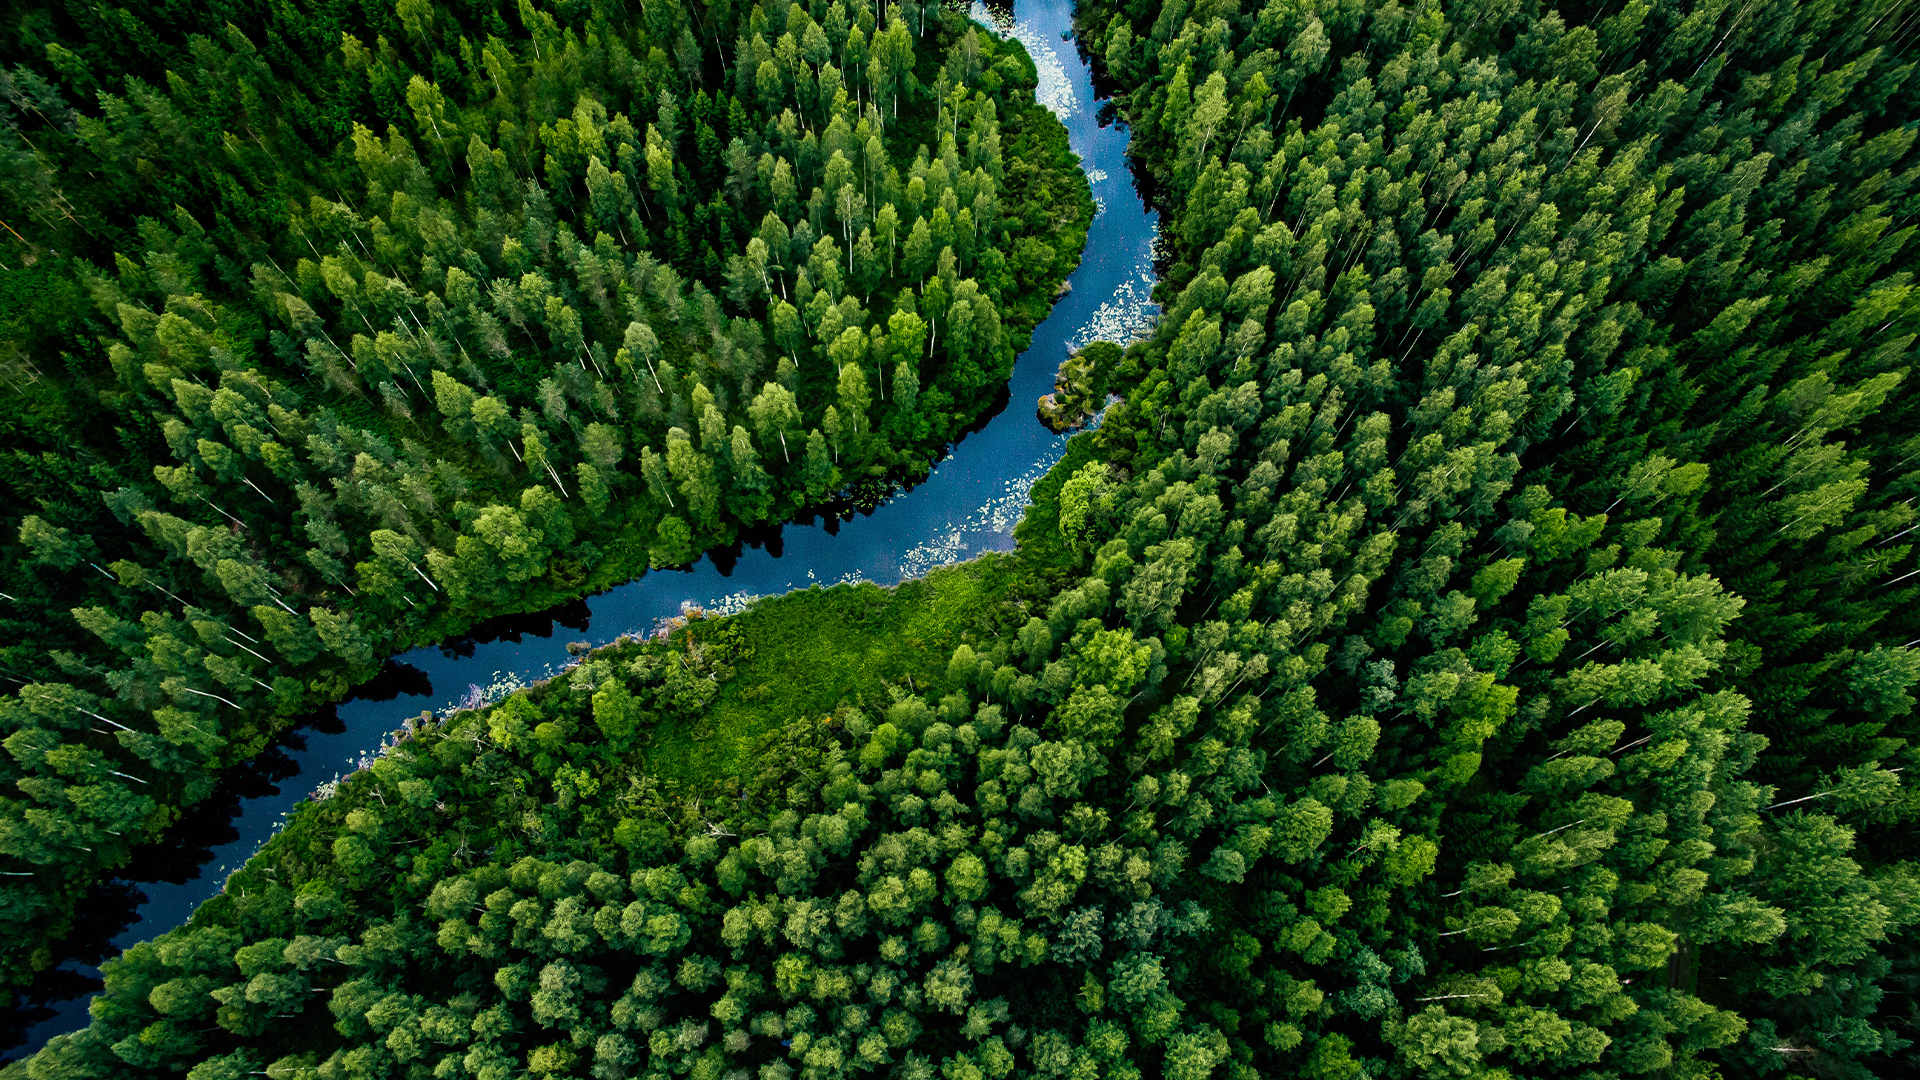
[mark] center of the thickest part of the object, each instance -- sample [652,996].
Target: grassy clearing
[817,649]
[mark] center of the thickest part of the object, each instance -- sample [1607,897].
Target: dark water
[968,506]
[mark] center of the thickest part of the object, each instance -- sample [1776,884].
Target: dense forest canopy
[1475,645]
[334,328]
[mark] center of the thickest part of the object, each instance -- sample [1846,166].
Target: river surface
[967,506]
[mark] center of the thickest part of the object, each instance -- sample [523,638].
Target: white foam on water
[988,528]
[1124,317]
[1055,89]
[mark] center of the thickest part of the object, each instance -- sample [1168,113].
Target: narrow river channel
[967,506]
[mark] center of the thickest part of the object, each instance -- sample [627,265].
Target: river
[967,506]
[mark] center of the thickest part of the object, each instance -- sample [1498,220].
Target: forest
[336,329]
[1475,644]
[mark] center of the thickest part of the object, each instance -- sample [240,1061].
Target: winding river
[967,506]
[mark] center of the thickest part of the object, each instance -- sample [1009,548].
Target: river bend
[967,506]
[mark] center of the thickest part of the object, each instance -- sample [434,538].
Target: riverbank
[724,753]
[820,650]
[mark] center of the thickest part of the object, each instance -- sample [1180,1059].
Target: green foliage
[388,319]
[1471,647]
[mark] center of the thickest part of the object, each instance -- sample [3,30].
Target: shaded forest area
[1476,646]
[332,328]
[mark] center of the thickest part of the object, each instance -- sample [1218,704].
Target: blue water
[967,506]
